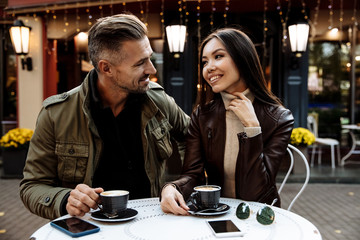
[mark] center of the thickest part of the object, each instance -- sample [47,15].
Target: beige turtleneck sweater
[233,127]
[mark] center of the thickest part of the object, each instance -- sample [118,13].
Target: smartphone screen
[75,227]
[224,228]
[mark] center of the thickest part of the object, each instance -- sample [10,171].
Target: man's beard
[139,89]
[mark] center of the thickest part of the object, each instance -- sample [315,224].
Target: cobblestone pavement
[333,208]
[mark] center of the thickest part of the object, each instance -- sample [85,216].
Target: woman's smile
[214,79]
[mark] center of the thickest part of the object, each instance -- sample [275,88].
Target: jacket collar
[149,108]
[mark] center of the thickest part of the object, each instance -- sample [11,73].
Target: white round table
[152,223]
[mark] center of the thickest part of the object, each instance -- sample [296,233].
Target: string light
[227,6]
[53,15]
[186,13]
[198,7]
[314,23]
[146,13]
[162,19]
[265,29]
[4,16]
[331,13]
[180,3]
[212,14]
[35,17]
[47,11]
[66,23]
[353,18]
[111,8]
[341,19]
[101,8]
[303,10]
[89,14]
[142,12]
[284,22]
[27,19]
[77,21]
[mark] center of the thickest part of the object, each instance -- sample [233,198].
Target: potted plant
[14,145]
[301,138]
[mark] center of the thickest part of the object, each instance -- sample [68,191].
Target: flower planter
[299,166]
[13,162]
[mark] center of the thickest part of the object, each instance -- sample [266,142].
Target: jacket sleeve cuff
[252,131]
[63,203]
[60,200]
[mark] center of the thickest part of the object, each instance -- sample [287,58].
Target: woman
[239,137]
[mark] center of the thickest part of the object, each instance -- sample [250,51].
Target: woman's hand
[172,201]
[244,110]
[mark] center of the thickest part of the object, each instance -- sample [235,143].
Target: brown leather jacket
[258,160]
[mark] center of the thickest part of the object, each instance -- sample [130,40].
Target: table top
[351,126]
[152,223]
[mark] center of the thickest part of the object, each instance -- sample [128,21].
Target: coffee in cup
[114,202]
[206,196]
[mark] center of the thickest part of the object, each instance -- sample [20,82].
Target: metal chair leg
[332,156]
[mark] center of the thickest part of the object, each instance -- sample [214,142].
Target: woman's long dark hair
[244,55]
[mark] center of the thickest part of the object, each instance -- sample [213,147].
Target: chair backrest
[291,149]
[312,125]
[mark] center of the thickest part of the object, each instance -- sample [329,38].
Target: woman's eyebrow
[216,50]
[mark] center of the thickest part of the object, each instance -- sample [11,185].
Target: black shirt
[121,165]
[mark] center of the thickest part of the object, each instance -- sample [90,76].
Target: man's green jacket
[66,147]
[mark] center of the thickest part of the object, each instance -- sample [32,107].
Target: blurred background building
[324,79]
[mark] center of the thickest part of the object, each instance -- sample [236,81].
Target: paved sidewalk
[333,208]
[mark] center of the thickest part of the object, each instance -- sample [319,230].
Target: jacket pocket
[73,159]
[161,136]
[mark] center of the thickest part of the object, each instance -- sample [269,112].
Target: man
[114,131]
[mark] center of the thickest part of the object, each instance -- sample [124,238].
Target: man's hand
[81,199]
[173,202]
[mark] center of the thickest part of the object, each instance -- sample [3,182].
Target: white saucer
[128,215]
[211,212]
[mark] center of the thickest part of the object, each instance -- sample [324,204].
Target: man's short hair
[107,35]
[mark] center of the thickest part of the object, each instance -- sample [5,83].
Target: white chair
[320,142]
[289,149]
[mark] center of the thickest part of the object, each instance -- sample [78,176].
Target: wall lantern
[299,34]
[176,35]
[20,39]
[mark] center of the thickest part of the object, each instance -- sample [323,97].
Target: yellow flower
[16,138]
[302,136]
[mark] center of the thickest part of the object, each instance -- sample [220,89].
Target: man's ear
[105,67]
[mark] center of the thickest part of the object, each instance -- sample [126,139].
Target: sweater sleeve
[252,131]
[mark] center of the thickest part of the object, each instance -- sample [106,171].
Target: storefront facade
[59,64]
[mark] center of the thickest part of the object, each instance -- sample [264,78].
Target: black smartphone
[225,228]
[75,227]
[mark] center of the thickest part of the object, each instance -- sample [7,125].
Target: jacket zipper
[209,135]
